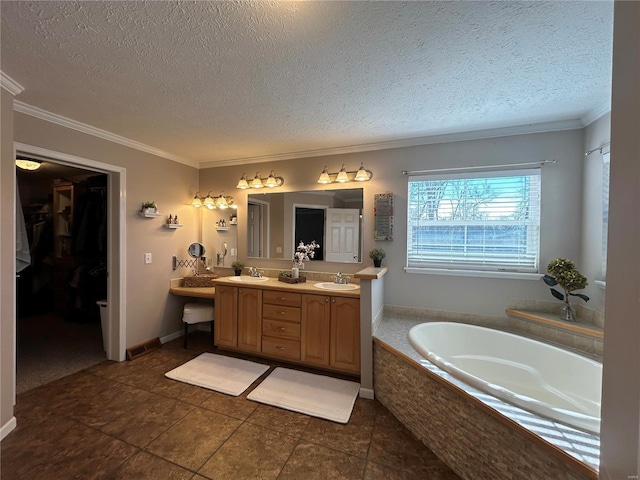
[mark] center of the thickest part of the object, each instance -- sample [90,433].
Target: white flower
[304,252]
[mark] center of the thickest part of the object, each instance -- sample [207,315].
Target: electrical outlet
[278,249]
[147,258]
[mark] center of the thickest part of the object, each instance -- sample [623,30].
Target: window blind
[474,221]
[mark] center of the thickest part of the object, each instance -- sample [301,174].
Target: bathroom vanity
[298,323]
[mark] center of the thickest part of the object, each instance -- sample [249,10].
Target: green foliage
[150,205]
[237,265]
[377,254]
[563,272]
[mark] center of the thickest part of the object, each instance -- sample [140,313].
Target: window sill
[601,284]
[474,273]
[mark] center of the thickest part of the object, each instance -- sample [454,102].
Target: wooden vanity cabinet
[225,325]
[345,334]
[238,315]
[281,324]
[316,329]
[250,319]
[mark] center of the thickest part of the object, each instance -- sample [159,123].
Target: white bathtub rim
[574,419]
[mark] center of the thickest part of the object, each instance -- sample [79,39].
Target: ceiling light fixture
[344,176]
[27,164]
[271,181]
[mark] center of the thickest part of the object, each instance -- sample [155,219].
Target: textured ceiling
[217,81]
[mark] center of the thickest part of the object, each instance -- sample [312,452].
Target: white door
[342,235]
[254,231]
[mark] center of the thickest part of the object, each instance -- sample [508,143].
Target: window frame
[457,266]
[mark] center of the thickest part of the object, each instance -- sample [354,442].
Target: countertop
[176,288]
[275,284]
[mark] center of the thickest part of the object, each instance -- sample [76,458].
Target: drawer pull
[279,347]
[282,313]
[281,298]
[281,329]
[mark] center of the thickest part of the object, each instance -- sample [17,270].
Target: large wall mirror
[278,222]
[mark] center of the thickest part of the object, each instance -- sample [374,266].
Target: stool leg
[186,332]
[213,340]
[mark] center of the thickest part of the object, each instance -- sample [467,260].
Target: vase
[567,312]
[295,272]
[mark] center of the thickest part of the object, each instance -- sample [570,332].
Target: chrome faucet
[341,279]
[254,272]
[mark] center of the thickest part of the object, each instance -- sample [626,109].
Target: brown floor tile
[314,462]
[192,440]
[252,452]
[278,419]
[394,446]
[144,466]
[181,391]
[142,424]
[352,438]
[238,407]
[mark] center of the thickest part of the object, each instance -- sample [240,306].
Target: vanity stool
[197,313]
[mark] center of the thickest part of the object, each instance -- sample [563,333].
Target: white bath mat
[302,392]
[216,372]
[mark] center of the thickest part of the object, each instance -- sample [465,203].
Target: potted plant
[149,207]
[563,272]
[377,254]
[237,267]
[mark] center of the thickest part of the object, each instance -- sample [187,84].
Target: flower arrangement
[377,254]
[304,252]
[563,272]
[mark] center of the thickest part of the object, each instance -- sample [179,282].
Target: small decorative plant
[563,272]
[149,206]
[237,267]
[377,254]
[304,253]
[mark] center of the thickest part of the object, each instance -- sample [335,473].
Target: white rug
[302,392]
[216,372]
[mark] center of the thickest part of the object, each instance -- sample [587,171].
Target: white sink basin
[248,279]
[336,286]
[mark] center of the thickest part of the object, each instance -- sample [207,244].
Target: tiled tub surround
[477,435]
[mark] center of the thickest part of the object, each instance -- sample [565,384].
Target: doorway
[116,235]
[61,271]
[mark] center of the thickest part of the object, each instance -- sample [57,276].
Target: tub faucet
[341,279]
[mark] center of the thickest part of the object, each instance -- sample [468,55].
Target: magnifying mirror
[196,250]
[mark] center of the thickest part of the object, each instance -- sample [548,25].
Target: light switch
[147,258]
[233,252]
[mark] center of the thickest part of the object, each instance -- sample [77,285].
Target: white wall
[620,431]
[561,228]
[596,134]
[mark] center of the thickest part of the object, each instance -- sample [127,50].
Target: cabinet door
[345,334]
[316,311]
[225,324]
[249,319]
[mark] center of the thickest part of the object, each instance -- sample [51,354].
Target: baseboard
[8,427]
[171,336]
[367,393]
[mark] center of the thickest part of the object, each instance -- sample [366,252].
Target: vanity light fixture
[271,181]
[197,201]
[27,164]
[344,176]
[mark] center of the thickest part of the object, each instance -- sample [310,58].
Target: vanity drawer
[281,347]
[278,312]
[276,297]
[276,328]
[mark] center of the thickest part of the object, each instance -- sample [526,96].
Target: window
[474,221]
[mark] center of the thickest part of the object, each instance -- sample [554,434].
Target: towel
[23,254]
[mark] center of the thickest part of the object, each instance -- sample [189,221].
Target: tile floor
[127,421]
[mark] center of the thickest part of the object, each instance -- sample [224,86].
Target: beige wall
[596,134]
[150,310]
[561,218]
[7,254]
[620,431]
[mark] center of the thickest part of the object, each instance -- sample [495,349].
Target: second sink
[248,279]
[336,286]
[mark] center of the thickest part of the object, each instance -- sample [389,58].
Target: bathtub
[532,375]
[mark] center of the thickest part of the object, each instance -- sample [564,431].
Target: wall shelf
[149,215]
[172,225]
[222,229]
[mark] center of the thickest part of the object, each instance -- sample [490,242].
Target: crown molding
[22,107]
[595,114]
[10,85]
[406,142]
